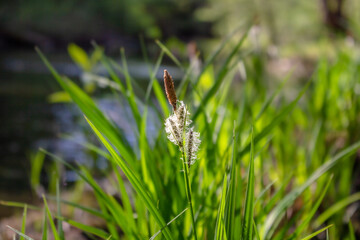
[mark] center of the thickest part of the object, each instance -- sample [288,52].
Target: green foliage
[266,183]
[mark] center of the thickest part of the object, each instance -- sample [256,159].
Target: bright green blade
[36,166]
[275,121]
[231,194]
[87,228]
[247,228]
[272,96]
[158,232]
[50,218]
[44,226]
[217,51]
[312,212]
[92,211]
[316,233]
[220,231]
[23,225]
[104,199]
[336,207]
[290,198]
[135,182]
[351,232]
[220,78]
[18,204]
[168,52]
[90,109]
[256,231]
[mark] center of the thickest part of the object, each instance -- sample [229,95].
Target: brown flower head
[170,89]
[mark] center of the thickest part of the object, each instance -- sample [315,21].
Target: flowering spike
[172,129]
[170,89]
[192,146]
[183,117]
[177,124]
[189,146]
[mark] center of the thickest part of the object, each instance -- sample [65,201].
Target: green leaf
[135,182]
[272,96]
[231,194]
[23,225]
[220,231]
[59,97]
[93,113]
[104,200]
[247,228]
[312,212]
[220,77]
[336,207]
[79,56]
[351,232]
[18,204]
[49,217]
[158,232]
[36,166]
[217,51]
[290,197]
[256,231]
[275,120]
[21,234]
[87,228]
[168,52]
[44,226]
[316,233]
[86,209]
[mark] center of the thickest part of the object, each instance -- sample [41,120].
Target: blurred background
[289,34]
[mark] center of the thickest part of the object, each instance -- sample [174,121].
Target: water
[29,121]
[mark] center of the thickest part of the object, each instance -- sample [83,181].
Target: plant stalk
[188,194]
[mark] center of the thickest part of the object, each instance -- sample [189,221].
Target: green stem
[188,194]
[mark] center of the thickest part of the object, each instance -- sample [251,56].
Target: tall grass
[276,162]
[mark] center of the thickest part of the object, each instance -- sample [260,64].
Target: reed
[179,133]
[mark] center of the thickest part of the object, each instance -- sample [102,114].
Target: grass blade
[275,121]
[247,228]
[36,166]
[158,232]
[44,228]
[256,231]
[220,231]
[83,208]
[231,195]
[18,204]
[23,225]
[316,233]
[86,228]
[168,52]
[273,95]
[105,200]
[21,234]
[220,77]
[135,182]
[215,53]
[290,197]
[351,232]
[312,212]
[49,217]
[336,207]
[89,108]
